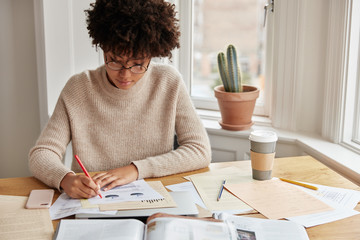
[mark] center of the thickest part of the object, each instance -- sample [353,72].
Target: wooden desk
[303,168]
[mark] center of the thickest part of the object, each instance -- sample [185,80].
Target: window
[351,102]
[208,27]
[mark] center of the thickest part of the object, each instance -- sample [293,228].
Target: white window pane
[351,102]
[218,24]
[356,137]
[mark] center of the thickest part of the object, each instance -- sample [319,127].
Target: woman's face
[124,72]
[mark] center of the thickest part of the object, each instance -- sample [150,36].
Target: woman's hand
[117,177]
[79,186]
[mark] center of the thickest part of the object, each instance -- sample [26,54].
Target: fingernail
[105,189]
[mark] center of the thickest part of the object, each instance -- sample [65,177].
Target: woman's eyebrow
[129,59]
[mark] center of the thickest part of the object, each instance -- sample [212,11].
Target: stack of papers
[325,205]
[136,195]
[343,201]
[208,184]
[301,205]
[276,199]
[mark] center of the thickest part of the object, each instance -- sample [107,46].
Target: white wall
[20,114]
[19,110]
[63,48]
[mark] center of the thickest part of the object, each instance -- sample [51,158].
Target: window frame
[185,59]
[350,123]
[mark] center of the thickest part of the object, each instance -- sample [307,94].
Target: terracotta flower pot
[236,108]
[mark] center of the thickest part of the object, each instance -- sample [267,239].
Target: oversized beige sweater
[111,127]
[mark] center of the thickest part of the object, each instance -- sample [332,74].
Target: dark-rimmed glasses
[137,68]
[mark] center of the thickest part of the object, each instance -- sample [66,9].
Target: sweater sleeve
[45,158]
[194,151]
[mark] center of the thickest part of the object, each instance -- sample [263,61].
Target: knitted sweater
[111,127]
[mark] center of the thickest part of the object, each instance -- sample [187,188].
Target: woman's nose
[124,72]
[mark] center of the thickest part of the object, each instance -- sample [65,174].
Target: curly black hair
[137,28]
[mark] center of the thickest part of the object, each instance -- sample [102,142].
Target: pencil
[299,183]
[221,190]
[84,170]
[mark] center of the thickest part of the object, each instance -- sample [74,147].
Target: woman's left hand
[116,177]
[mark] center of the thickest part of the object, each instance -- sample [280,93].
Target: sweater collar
[122,94]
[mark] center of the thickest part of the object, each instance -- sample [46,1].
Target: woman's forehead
[125,57]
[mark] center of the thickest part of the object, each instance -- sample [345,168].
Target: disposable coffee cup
[262,153]
[262,141]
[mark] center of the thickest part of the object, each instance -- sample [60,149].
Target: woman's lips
[124,83]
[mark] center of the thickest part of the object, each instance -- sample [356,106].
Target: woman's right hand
[79,186]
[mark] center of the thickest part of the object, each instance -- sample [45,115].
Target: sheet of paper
[182,229]
[13,215]
[208,188]
[276,199]
[135,191]
[342,200]
[189,187]
[315,219]
[165,202]
[71,229]
[65,206]
[223,171]
[265,229]
[335,197]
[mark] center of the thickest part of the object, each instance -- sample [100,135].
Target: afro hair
[140,28]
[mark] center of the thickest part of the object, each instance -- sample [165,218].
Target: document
[71,229]
[276,199]
[312,220]
[189,187]
[342,200]
[66,206]
[17,222]
[185,206]
[166,201]
[264,229]
[335,197]
[131,229]
[135,191]
[208,188]
[223,171]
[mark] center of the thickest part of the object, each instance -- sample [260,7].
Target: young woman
[122,117]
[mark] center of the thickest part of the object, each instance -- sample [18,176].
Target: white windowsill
[335,156]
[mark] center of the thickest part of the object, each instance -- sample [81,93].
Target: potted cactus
[236,101]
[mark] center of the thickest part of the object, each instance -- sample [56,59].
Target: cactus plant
[229,70]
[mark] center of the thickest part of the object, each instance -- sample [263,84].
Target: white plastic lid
[263,136]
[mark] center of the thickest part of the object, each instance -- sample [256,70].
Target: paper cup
[262,141]
[262,165]
[262,153]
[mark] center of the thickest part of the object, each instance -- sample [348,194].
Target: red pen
[84,170]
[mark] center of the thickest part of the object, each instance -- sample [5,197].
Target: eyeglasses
[137,69]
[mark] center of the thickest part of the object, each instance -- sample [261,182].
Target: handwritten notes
[276,199]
